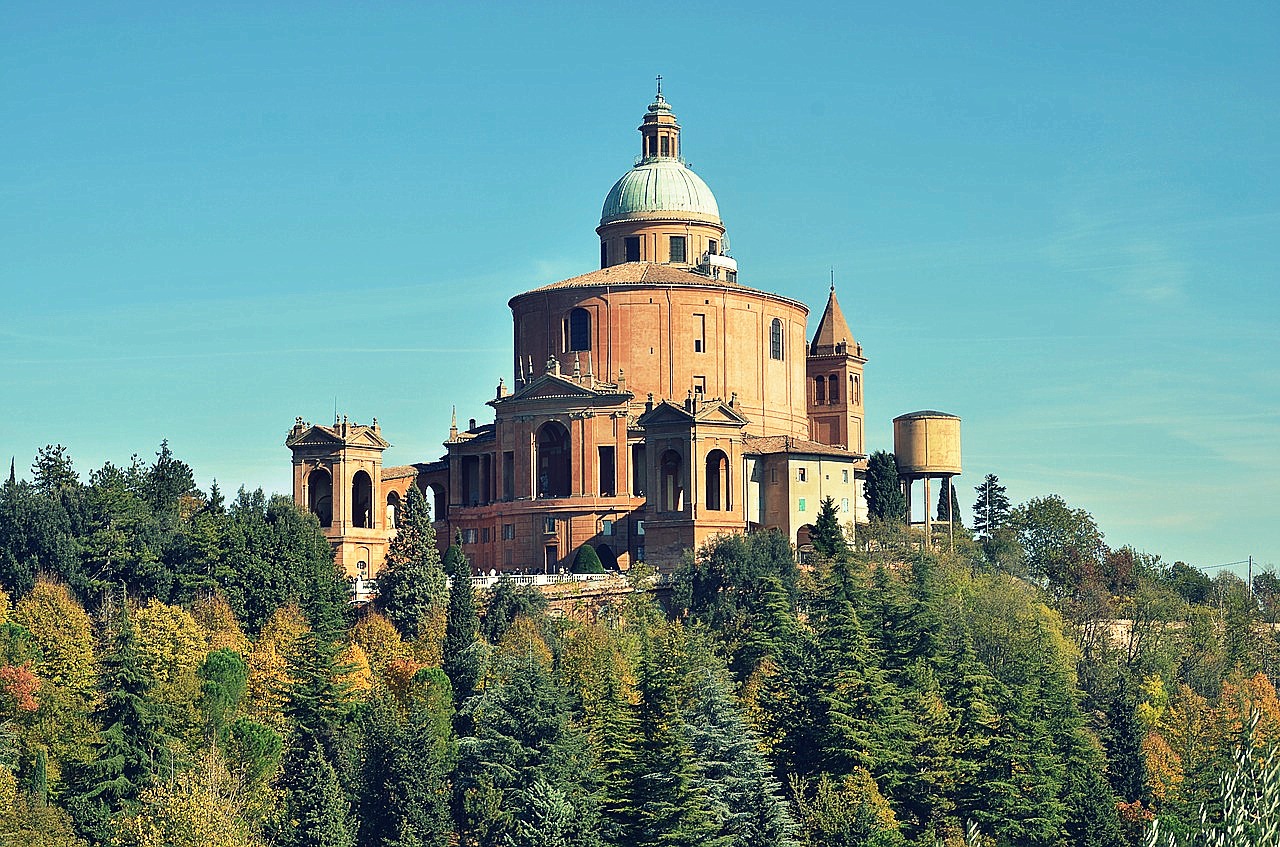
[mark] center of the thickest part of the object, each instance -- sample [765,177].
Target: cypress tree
[947,491]
[461,653]
[885,500]
[413,582]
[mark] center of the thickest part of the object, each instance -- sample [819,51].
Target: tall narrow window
[607,476]
[579,334]
[362,500]
[604,254]
[509,475]
[666,146]
[632,244]
[639,470]
[775,339]
[834,394]
[672,482]
[855,394]
[713,247]
[677,248]
[820,390]
[699,333]
[717,482]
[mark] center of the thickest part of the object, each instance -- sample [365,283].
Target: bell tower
[337,476]
[834,371]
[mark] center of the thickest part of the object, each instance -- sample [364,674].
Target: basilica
[655,402]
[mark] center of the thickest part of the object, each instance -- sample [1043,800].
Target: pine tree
[405,766]
[675,809]
[885,500]
[827,537]
[991,512]
[413,583]
[316,811]
[744,796]
[461,653]
[133,746]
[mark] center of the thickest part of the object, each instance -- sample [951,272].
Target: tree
[885,500]
[949,511]
[827,537]
[461,653]
[506,602]
[404,770]
[991,512]
[53,471]
[132,746]
[223,677]
[412,585]
[1063,546]
[587,561]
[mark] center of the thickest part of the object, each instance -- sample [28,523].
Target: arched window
[577,334]
[393,509]
[553,460]
[819,390]
[672,482]
[718,489]
[854,389]
[362,500]
[834,394]
[439,502]
[775,339]
[320,495]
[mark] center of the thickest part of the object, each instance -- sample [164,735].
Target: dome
[660,185]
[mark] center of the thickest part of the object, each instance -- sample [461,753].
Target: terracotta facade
[650,399]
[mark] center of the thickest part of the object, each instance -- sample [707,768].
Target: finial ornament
[833,279]
[659,86]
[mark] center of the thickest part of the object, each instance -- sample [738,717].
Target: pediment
[328,437]
[557,387]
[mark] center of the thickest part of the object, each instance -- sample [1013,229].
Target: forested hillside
[179,669]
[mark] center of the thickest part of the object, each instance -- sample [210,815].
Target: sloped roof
[767,444]
[639,273]
[833,329]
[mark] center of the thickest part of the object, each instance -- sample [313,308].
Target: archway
[553,460]
[320,495]
[804,546]
[393,509]
[608,558]
[672,482]
[362,500]
[717,475]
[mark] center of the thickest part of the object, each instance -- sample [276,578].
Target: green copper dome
[659,185]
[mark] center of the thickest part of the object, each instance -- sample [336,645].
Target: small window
[666,146]
[604,254]
[484,535]
[677,248]
[606,527]
[699,333]
[639,527]
[640,553]
[713,247]
[800,506]
[820,390]
[844,476]
[773,476]
[802,474]
[844,505]
[468,536]
[508,531]
[549,525]
[834,394]
[775,339]
[632,245]
[700,385]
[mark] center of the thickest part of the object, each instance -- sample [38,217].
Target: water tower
[927,446]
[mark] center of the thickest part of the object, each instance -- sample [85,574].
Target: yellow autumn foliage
[268,663]
[358,676]
[63,632]
[201,807]
[221,628]
[522,639]
[381,642]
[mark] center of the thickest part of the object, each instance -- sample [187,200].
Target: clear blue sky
[1060,221]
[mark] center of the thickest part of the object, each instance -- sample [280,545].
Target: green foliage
[948,511]
[223,678]
[461,652]
[1063,546]
[413,582]
[587,561]
[827,537]
[885,500]
[506,602]
[991,511]
[404,769]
